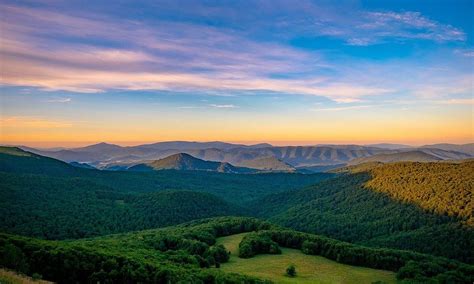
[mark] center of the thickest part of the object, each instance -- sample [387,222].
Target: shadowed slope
[421,206]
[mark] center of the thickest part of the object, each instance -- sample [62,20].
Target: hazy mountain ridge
[268,164]
[81,165]
[464,148]
[408,156]
[312,158]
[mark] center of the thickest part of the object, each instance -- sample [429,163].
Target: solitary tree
[291,270]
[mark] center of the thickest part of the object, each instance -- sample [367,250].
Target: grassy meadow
[11,277]
[309,268]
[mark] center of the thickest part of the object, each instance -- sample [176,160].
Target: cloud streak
[346,108]
[60,100]
[222,106]
[382,26]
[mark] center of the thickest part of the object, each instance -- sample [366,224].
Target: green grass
[11,277]
[309,268]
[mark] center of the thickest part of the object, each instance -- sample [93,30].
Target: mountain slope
[268,164]
[446,154]
[13,159]
[166,208]
[100,147]
[58,208]
[389,146]
[409,156]
[82,165]
[463,148]
[427,207]
[187,162]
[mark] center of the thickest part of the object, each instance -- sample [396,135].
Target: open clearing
[11,277]
[309,268]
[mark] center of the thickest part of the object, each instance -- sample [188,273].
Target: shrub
[291,270]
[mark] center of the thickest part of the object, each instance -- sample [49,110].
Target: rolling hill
[13,159]
[409,156]
[463,148]
[270,164]
[187,162]
[68,207]
[82,165]
[390,146]
[193,253]
[426,207]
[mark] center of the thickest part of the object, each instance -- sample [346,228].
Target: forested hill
[187,162]
[425,207]
[186,253]
[441,188]
[58,208]
[409,156]
[13,159]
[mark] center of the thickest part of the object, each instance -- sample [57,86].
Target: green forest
[363,207]
[187,252]
[46,198]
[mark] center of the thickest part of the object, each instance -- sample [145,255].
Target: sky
[284,72]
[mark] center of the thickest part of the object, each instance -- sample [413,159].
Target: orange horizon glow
[73,144]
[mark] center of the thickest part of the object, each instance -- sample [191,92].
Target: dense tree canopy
[186,252]
[366,207]
[47,198]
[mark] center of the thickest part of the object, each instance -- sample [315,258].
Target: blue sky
[286,72]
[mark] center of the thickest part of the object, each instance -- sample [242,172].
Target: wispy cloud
[465,52]
[407,25]
[346,108]
[367,28]
[59,100]
[222,106]
[344,100]
[189,107]
[456,102]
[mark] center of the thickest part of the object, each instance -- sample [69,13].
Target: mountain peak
[183,161]
[99,147]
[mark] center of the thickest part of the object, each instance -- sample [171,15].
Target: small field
[11,277]
[309,268]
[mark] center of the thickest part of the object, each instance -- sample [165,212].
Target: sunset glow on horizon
[361,72]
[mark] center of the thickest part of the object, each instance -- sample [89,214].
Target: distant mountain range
[263,157]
